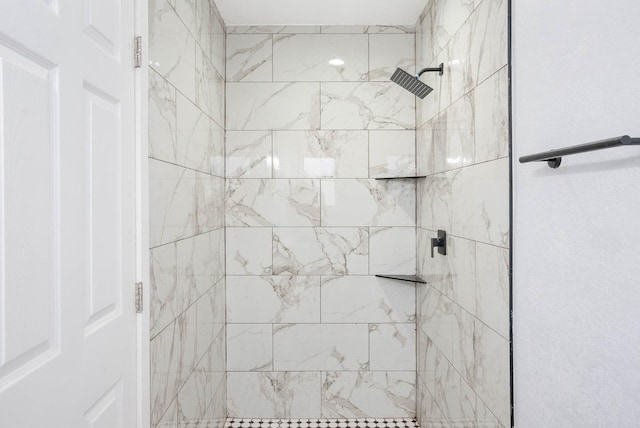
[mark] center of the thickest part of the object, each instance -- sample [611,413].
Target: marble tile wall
[463,149]
[311,331]
[186,169]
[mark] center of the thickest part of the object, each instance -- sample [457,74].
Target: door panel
[67,214]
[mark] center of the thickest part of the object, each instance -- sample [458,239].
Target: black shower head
[412,83]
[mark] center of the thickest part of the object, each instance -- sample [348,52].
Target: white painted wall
[576,78]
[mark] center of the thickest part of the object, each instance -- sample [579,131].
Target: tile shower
[268,225]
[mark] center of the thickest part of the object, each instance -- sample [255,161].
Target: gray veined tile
[309,347]
[273,394]
[368,202]
[366,299]
[172,49]
[248,250]
[294,61]
[162,119]
[392,346]
[294,202]
[481,202]
[492,287]
[248,154]
[195,136]
[172,196]
[273,29]
[488,49]
[388,51]
[249,347]
[368,394]
[367,105]
[273,299]
[392,153]
[249,58]
[266,106]
[392,250]
[492,117]
[210,88]
[320,251]
[167,301]
[318,154]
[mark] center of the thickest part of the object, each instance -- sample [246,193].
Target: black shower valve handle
[440,242]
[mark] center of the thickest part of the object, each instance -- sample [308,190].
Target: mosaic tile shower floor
[321,423]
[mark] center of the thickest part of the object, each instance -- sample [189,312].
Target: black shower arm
[439,69]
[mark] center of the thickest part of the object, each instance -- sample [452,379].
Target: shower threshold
[322,423]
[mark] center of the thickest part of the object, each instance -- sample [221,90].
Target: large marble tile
[249,58]
[366,299]
[392,346]
[335,154]
[195,136]
[445,19]
[172,48]
[248,154]
[273,29]
[438,320]
[210,88]
[481,202]
[489,39]
[307,347]
[217,35]
[454,275]
[367,105]
[428,413]
[249,347]
[294,60]
[165,361]
[455,397]
[264,106]
[392,250]
[389,51]
[273,394]
[367,202]
[453,138]
[367,29]
[166,299]
[425,163]
[368,394]
[459,77]
[170,418]
[392,153]
[320,251]
[492,287]
[273,299]
[210,318]
[248,250]
[193,398]
[172,198]
[435,201]
[199,263]
[209,194]
[491,367]
[162,119]
[491,116]
[281,202]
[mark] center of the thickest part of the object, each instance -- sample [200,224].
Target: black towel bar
[554,157]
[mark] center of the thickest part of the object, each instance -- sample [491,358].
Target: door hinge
[137,52]
[139,297]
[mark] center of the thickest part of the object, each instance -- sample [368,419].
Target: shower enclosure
[268,225]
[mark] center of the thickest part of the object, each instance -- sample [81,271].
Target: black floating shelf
[408,278]
[400,178]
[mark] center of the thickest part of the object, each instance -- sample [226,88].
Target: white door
[67,214]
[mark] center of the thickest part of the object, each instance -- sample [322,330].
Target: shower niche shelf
[408,278]
[401,178]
